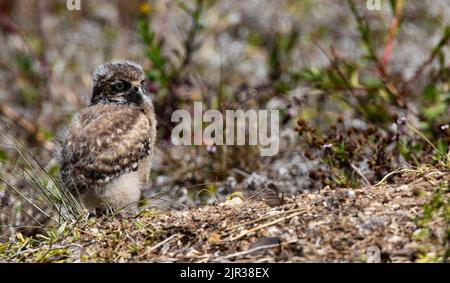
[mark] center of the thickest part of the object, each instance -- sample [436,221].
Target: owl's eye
[119,86]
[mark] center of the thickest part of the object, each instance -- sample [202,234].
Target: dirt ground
[334,225]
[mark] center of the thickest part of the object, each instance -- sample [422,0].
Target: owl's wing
[105,142]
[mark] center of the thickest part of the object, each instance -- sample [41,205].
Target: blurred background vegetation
[361,93]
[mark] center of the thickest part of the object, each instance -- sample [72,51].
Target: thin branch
[239,254]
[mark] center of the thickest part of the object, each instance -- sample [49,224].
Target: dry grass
[330,226]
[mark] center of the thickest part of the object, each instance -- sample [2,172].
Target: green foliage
[153,51]
[379,98]
[24,62]
[438,206]
[3,155]
[165,76]
[280,52]
[163,72]
[343,148]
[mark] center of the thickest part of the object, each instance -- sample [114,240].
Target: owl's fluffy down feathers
[105,142]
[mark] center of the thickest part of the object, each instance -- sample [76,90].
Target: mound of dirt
[379,223]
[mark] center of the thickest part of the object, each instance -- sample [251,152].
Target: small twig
[178,236]
[238,254]
[263,218]
[393,173]
[189,43]
[411,127]
[165,200]
[241,172]
[407,85]
[361,175]
[269,183]
[250,231]
[26,125]
[393,30]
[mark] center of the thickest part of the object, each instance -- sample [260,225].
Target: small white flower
[328,145]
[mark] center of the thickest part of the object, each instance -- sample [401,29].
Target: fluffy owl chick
[105,158]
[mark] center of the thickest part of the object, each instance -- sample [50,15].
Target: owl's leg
[122,195]
[91,202]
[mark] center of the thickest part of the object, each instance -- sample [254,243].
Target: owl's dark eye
[119,86]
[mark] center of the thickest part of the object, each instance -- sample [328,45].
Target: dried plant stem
[263,218]
[250,231]
[22,122]
[238,254]
[422,136]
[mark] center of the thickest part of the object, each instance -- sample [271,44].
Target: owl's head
[119,82]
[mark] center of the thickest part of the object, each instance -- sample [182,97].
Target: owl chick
[105,158]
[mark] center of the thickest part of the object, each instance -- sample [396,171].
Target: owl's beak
[137,94]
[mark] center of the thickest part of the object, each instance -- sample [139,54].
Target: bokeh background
[361,92]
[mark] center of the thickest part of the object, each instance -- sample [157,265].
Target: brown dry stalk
[250,231]
[171,238]
[263,218]
[238,254]
[26,125]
